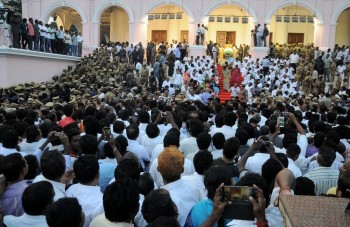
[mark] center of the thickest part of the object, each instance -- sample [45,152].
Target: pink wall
[21,66]
[326,11]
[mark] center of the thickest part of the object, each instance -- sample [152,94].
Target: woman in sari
[227,77]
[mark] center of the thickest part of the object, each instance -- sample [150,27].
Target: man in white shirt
[36,198]
[235,90]
[152,138]
[259,35]
[218,145]
[324,176]
[183,194]
[294,59]
[228,128]
[135,147]
[189,145]
[86,170]
[202,161]
[116,213]
[80,44]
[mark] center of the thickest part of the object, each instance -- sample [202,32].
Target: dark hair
[164,221]
[219,140]
[293,151]
[68,110]
[231,148]
[172,137]
[331,117]
[64,212]
[118,127]
[202,161]
[203,140]
[123,143]
[12,166]
[92,125]
[283,159]
[146,183]
[289,139]
[53,165]
[319,139]
[20,127]
[37,197]
[132,132]
[121,200]
[44,128]
[33,167]
[195,127]
[32,133]
[343,184]
[242,135]
[304,186]
[88,144]
[326,156]
[152,130]
[86,168]
[249,179]
[158,203]
[9,139]
[144,116]
[230,119]
[128,168]
[213,177]
[270,169]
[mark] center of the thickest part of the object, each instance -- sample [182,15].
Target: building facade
[137,20]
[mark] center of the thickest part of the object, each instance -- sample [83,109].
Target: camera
[266,143]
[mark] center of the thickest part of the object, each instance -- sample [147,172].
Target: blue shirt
[107,167]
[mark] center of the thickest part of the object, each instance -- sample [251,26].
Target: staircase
[223,94]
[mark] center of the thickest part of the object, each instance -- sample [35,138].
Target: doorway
[184,36]
[223,37]
[295,38]
[159,36]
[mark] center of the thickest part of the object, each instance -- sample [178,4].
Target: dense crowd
[116,142]
[34,35]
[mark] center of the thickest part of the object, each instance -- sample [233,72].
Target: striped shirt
[324,179]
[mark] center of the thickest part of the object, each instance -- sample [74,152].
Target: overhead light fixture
[219,19]
[227,19]
[310,19]
[235,20]
[302,19]
[278,19]
[157,16]
[179,16]
[244,20]
[171,16]
[286,19]
[295,19]
[211,19]
[150,17]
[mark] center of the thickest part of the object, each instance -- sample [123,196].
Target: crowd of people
[116,141]
[34,35]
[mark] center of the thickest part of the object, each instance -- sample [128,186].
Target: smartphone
[236,193]
[163,114]
[285,114]
[107,130]
[241,208]
[281,122]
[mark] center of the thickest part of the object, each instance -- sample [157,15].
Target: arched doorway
[292,24]
[167,23]
[342,34]
[114,25]
[66,17]
[229,24]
